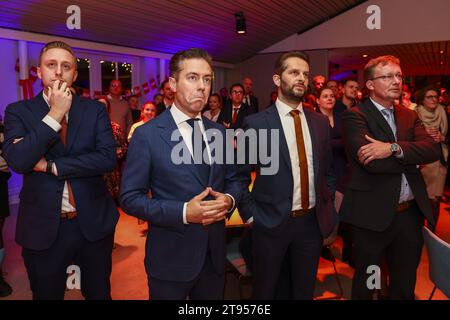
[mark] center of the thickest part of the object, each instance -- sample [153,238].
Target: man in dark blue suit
[291,211]
[62,144]
[185,252]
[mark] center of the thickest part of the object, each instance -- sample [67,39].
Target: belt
[68,215]
[401,207]
[300,212]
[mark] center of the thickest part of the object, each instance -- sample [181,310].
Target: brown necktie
[63,135]
[304,179]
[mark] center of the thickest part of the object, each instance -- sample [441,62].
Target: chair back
[439,260]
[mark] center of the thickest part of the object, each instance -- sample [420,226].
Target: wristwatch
[394,148]
[49,167]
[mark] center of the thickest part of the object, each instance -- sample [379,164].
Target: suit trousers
[208,285]
[401,244]
[295,251]
[47,269]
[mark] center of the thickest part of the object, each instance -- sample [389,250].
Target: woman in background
[112,179]
[148,112]
[434,118]
[325,105]
[215,105]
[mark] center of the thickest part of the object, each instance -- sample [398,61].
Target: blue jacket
[90,152]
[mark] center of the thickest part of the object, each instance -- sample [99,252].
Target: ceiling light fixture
[241,28]
[365,55]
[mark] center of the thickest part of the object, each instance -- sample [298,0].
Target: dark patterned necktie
[199,150]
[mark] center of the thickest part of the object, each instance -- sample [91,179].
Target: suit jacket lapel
[273,118]
[75,118]
[208,126]
[402,128]
[168,126]
[39,108]
[314,134]
[380,120]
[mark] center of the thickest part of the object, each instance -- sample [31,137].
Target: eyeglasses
[390,77]
[431,97]
[237,92]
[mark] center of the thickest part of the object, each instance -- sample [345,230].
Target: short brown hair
[280,65]
[193,53]
[373,63]
[319,92]
[237,84]
[56,44]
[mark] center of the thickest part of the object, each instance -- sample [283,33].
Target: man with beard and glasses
[291,211]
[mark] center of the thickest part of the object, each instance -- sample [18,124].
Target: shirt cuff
[400,155]
[184,213]
[54,170]
[52,123]
[234,203]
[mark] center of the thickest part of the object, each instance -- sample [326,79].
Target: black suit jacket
[254,105]
[373,191]
[270,201]
[89,153]
[226,115]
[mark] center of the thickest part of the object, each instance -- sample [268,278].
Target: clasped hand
[208,211]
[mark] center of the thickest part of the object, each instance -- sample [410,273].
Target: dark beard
[290,94]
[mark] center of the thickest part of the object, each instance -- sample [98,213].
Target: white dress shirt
[287,122]
[406,193]
[207,114]
[55,125]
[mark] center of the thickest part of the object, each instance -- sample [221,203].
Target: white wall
[149,70]
[10,92]
[402,21]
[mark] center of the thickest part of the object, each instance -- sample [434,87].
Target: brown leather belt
[300,212]
[68,215]
[401,207]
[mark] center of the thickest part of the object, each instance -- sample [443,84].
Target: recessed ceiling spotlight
[365,55]
[241,27]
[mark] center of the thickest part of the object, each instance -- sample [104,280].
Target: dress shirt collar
[379,106]
[180,116]
[284,110]
[111,98]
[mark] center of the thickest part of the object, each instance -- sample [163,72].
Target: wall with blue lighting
[10,92]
